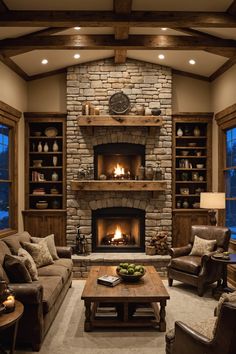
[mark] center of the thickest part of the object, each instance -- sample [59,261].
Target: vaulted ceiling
[202,30]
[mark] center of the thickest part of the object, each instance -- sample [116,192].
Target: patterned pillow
[29,263]
[50,243]
[39,253]
[202,246]
[16,269]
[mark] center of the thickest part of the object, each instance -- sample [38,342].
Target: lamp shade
[212,200]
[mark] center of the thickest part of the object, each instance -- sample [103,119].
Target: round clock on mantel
[119,103]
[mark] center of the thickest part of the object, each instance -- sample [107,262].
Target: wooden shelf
[190,157]
[46,137]
[119,120]
[190,169]
[46,167]
[45,181]
[46,153]
[191,137]
[129,186]
[191,147]
[187,195]
[45,195]
[194,182]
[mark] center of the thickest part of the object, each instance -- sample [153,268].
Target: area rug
[67,336]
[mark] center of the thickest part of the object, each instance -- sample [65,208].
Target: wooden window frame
[9,116]
[226,119]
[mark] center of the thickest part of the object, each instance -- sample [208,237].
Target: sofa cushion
[188,264]
[29,263]
[202,246]
[4,249]
[16,269]
[52,270]
[50,243]
[14,241]
[39,253]
[52,287]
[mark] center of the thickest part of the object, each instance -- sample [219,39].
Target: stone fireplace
[118,153]
[119,229]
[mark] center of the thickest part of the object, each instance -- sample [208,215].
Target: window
[230,180]
[8,169]
[5,183]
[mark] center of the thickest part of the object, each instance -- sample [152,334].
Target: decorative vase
[54,160]
[180,132]
[149,172]
[185,204]
[45,148]
[178,204]
[40,148]
[54,176]
[55,204]
[55,146]
[196,131]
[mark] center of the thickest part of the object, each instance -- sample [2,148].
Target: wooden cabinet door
[41,224]
[182,223]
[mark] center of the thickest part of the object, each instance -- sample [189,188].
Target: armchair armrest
[28,293]
[180,251]
[188,341]
[64,251]
[207,257]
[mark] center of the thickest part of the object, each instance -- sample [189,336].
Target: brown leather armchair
[216,338]
[198,271]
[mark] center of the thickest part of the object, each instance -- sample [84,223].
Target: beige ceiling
[206,63]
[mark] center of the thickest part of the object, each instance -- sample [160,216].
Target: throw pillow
[39,253]
[29,263]
[50,243]
[202,246]
[16,270]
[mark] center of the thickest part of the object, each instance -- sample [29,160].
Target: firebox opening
[118,230]
[118,160]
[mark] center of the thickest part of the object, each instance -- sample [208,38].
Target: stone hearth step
[82,264]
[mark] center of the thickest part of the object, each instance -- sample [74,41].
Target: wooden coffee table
[133,304]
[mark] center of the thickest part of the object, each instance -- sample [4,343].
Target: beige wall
[47,94]
[222,96]
[190,95]
[13,91]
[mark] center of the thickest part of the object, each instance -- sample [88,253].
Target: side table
[12,319]
[223,287]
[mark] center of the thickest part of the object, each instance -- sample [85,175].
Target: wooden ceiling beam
[192,32]
[188,74]
[232,8]
[3,7]
[139,42]
[223,68]
[120,56]
[109,19]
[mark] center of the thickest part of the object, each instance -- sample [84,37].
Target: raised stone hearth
[145,84]
[82,264]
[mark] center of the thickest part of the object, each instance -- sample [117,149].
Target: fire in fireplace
[118,160]
[118,230]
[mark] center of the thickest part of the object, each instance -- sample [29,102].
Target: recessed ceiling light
[192,62]
[77,28]
[164,29]
[44,61]
[161,56]
[77,56]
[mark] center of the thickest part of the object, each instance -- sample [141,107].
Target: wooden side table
[12,319]
[223,287]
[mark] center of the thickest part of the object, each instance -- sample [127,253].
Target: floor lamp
[212,201]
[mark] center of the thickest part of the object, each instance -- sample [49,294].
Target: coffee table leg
[162,316]
[88,314]
[14,338]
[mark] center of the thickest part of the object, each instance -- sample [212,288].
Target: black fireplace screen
[118,230]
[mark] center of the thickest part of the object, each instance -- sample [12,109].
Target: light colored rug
[67,336]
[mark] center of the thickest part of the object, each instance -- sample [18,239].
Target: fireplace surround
[145,84]
[118,229]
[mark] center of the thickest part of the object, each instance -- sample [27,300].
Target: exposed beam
[120,56]
[192,32]
[109,19]
[193,76]
[13,66]
[3,7]
[232,8]
[121,32]
[122,6]
[142,42]
[223,68]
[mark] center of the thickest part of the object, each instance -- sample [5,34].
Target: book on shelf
[108,280]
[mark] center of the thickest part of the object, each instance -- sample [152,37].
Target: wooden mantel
[112,185]
[119,120]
